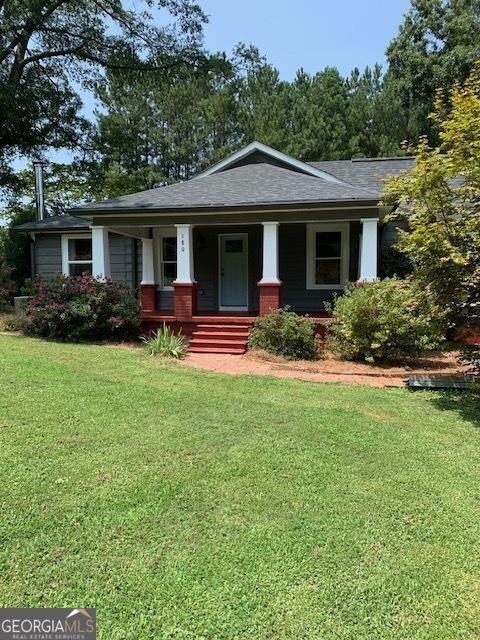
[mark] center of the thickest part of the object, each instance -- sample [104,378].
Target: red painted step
[227,350]
[220,338]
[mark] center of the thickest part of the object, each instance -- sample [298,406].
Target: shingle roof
[55,223]
[250,184]
[366,173]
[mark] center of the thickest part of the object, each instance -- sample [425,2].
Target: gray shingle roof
[366,173]
[55,223]
[250,184]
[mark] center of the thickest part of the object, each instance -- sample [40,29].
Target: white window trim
[159,234]
[65,261]
[345,253]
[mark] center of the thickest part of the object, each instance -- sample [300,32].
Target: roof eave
[320,204]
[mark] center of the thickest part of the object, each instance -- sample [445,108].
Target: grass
[188,505]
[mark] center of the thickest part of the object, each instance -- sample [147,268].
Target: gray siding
[389,232]
[205,240]
[122,259]
[48,255]
[293,267]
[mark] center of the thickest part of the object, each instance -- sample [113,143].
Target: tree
[46,46]
[437,45]
[376,122]
[440,198]
[65,186]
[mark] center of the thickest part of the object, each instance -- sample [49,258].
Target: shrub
[11,323]
[385,320]
[7,286]
[284,333]
[164,342]
[75,308]
[31,286]
[470,355]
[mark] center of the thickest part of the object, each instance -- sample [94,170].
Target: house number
[182,242]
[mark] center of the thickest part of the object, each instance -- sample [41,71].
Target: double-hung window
[168,259]
[327,256]
[76,254]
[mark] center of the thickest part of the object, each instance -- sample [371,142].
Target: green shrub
[284,333]
[75,308]
[7,287]
[385,320]
[164,342]
[11,323]
[470,355]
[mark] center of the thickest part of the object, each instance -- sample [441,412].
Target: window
[76,254]
[327,256]
[168,259]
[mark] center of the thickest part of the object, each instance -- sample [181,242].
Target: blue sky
[311,34]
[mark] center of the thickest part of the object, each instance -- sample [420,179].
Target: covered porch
[220,271]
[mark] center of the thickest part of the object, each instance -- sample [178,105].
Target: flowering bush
[284,333]
[385,320]
[77,308]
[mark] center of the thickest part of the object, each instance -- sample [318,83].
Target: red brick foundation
[269,296]
[147,297]
[184,300]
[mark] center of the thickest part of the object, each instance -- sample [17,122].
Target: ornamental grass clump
[164,342]
[77,308]
[385,320]
[282,332]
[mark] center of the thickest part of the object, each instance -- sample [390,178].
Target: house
[255,231]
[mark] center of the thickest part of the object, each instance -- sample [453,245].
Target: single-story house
[255,231]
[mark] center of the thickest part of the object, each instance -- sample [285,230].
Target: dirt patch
[329,369]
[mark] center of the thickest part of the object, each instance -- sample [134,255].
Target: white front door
[233,271]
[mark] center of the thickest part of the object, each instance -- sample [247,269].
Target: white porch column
[368,250]
[270,253]
[100,253]
[148,276]
[185,273]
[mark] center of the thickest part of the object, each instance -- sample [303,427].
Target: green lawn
[183,504]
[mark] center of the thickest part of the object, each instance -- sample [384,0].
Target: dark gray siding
[389,232]
[122,259]
[205,241]
[48,255]
[293,266]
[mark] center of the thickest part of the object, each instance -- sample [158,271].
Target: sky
[311,34]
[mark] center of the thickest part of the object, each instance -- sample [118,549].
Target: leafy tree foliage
[66,185]
[440,199]
[46,46]
[437,45]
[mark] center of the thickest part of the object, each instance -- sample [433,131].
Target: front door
[233,267]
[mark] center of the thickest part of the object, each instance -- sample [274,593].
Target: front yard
[185,504]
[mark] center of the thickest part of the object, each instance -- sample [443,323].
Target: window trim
[312,229]
[65,261]
[167,232]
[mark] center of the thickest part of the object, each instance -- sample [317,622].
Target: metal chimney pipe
[39,196]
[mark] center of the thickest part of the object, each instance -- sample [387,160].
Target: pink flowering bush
[75,308]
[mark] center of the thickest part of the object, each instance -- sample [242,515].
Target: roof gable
[258,152]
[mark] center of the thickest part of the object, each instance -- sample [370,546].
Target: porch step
[220,338]
[233,328]
[234,351]
[221,335]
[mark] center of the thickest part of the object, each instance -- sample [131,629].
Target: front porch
[222,272]
[212,280]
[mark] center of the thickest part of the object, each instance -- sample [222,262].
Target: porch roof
[251,185]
